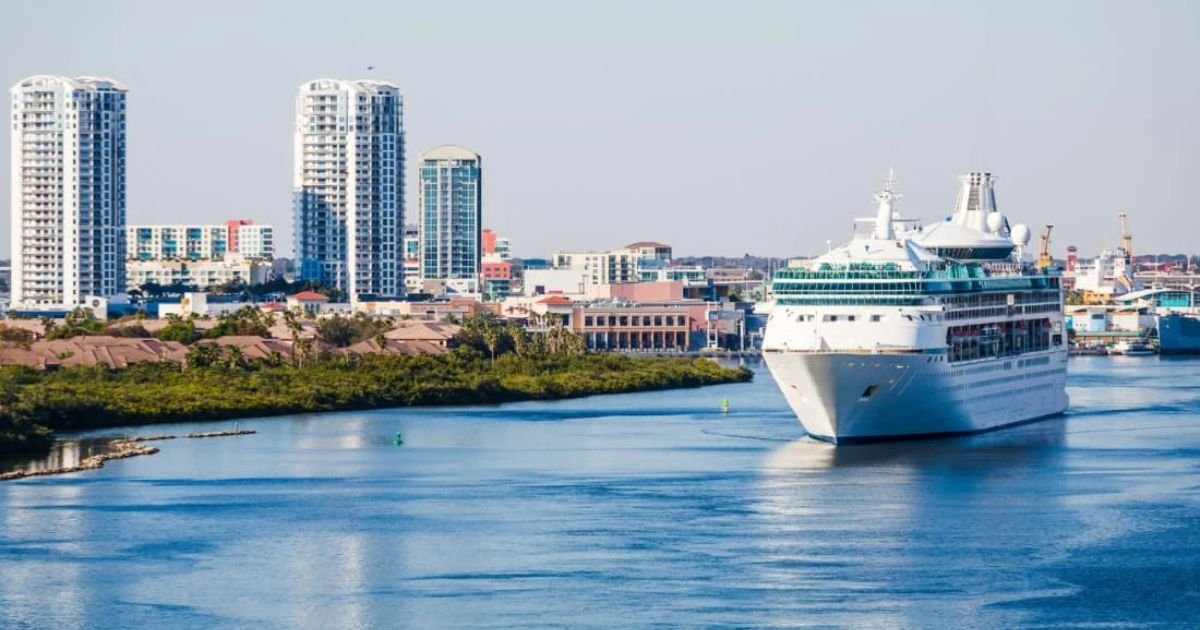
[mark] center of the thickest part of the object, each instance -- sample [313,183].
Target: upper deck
[888,283]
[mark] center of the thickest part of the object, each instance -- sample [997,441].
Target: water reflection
[1006,447]
[63,454]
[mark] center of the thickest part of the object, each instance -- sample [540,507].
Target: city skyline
[823,99]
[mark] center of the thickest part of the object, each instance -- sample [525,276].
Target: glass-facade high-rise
[349,186]
[451,200]
[68,190]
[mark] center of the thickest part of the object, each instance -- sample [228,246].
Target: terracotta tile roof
[114,352]
[309,296]
[556,300]
[255,347]
[395,346]
[423,331]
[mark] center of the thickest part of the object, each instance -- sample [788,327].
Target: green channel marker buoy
[399,440]
[724,405]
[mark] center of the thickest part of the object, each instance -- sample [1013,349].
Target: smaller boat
[1133,348]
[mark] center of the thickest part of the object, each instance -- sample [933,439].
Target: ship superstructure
[914,330]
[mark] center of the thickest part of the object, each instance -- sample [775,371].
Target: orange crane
[1044,259]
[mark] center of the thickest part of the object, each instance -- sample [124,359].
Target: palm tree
[235,359]
[491,338]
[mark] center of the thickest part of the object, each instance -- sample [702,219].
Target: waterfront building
[451,200]
[613,266]
[68,190]
[349,186]
[622,326]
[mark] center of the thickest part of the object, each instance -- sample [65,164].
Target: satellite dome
[995,221]
[1020,234]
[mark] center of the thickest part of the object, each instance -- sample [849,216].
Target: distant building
[349,186]
[495,248]
[232,268]
[655,270]
[497,279]
[665,327]
[176,242]
[412,258]
[68,190]
[198,255]
[451,202]
[547,281]
[614,266]
[306,302]
[231,231]
[253,241]
[5,276]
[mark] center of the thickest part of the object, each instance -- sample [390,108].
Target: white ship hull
[847,397]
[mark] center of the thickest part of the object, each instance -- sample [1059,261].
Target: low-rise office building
[651,327]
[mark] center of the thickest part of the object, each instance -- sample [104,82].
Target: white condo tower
[349,186]
[68,191]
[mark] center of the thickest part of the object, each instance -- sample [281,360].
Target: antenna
[885,198]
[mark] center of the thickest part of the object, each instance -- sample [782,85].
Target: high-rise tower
[349,186]
[68,190]
[451,200]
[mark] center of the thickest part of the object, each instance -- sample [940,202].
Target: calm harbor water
[634,510]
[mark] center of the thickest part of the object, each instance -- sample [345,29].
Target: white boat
[1132,348]
[920,331]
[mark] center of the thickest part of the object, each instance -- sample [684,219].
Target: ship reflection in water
[1016,446]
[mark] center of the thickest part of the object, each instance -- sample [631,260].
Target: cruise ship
[912,330]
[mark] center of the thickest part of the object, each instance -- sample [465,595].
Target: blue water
[637,510]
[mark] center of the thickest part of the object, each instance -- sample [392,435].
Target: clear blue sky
[719,127]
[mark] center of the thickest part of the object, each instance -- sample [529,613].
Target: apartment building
[348,183]
[68,190]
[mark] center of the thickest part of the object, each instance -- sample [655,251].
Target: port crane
[1126,237]
[1126,278]
[1044,259]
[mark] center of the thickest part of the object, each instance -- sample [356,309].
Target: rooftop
[309,296]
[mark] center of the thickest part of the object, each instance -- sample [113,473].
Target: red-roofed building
[307,302]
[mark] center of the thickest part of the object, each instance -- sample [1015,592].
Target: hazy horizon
[759,128]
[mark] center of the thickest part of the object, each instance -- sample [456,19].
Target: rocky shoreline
[119,448]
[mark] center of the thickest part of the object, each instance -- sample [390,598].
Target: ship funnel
[976,200]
